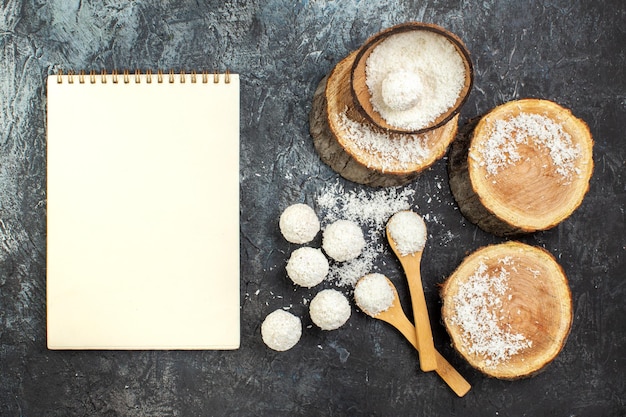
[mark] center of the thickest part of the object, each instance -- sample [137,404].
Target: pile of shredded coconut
[386,151]
[370,210]
[373,294]
[430,56]
[501,148]
[408,231]
[476,308]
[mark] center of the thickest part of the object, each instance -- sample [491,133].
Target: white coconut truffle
[307,267]
[281,330]
[299,223]
[343,240]
[408,230]
[401,90]
[373,294]
[329,309]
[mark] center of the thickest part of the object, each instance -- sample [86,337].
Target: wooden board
[508,309]
[338,146]
[509,178]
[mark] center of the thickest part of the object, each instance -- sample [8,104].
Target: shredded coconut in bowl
[329,309]
[281,330]
[434,59]
[343,240]
[307,267]
[299,223]
[408,231]
[373,294]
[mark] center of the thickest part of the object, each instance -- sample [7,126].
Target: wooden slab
[523,167]
[383,161]
[508,309]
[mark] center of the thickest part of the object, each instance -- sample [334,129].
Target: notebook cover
[143,214]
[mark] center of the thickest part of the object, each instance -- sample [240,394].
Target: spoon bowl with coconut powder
[377,297]
[406,233]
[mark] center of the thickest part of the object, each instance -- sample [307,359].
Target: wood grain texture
[535,309]
[528,194]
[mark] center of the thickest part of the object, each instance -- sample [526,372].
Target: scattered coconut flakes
[434,58]
[475,308]
[369,209]
[387,151]
[501,148]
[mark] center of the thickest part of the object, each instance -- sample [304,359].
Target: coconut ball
[281,330]
[343,240]
[329,309]
[299,223]
[401,90]
[408,230]
[307,267]
[373,294]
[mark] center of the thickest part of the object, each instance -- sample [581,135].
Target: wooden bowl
[508,309]
[361,93]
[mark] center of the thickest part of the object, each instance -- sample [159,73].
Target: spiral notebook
[143,211]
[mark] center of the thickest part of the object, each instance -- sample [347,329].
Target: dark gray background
[569,51]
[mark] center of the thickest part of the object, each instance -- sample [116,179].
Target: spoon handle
[427,353]
[450,376]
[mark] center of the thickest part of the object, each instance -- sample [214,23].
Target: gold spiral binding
[193,76]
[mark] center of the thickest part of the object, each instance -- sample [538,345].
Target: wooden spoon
[411,264]
[395,316]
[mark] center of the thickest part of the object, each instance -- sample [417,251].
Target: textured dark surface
[572,52]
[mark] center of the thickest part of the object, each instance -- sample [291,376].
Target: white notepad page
[143,213]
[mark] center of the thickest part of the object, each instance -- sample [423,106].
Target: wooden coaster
[508,309]
[362,152]
[523,167]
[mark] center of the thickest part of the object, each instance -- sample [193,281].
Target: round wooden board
[508,309]
[523,167]
[381,158]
